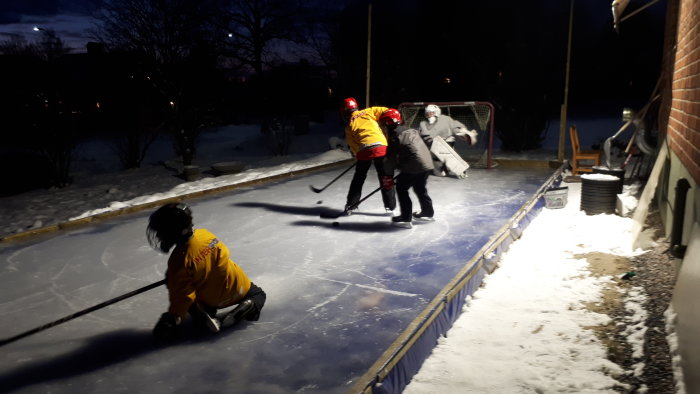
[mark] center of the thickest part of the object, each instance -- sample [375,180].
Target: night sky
[532,32]
[69,18]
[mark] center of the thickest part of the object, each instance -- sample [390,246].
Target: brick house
[677,192]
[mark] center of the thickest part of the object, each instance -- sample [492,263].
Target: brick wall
[683,127]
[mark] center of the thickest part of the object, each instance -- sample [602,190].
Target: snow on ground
[100,187]
[522,332]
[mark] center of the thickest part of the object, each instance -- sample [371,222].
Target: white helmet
[432,109]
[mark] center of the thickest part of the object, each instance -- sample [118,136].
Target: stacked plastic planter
[599,190]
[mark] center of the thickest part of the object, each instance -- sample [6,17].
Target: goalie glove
[468,135]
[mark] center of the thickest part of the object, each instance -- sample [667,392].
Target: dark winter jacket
[408,152]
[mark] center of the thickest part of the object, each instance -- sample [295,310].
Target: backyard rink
[338,296]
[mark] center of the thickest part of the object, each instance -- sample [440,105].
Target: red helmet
[348,105]
[390,118]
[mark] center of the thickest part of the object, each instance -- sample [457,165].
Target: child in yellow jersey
[368,144]
[201,276]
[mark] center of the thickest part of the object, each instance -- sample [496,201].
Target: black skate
[398,221]
[422,217]
[349,209]
[202,317]
[239,313]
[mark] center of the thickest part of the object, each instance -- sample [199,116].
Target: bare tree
[255,26]
[44,115]
[165,31]
[318,29]
[51,47]
[17,45]
[172,40]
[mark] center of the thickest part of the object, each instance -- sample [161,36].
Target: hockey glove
[387,182]
[166,330]
[467,135]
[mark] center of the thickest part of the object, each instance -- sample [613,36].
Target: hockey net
[476,115]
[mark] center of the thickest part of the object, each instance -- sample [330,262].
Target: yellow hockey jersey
[363,131]
[202,271]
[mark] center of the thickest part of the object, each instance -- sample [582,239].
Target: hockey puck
[336,224]
[319,202]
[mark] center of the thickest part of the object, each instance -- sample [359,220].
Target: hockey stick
[317,190]
[328,215]
[81,313]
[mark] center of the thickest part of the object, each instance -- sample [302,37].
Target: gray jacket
[408,152]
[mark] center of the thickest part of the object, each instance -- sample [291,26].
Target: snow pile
[267,169]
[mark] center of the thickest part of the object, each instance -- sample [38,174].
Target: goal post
[476,115]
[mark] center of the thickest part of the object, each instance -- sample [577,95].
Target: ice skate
[398,221]
[200,315]
[238,313]
[349,209]
[424,218]
[212,324]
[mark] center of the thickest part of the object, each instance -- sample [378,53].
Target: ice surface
[337,296]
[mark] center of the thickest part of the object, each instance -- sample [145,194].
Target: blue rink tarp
[351,307]
[392,373]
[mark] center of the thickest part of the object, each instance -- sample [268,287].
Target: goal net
[476,115]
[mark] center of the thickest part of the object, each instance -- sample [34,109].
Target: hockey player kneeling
[201,277]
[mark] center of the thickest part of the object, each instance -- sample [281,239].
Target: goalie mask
[432,112]
[168,226]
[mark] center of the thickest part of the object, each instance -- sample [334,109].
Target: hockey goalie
[440,132]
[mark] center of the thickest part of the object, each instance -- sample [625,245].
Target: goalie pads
[452,160]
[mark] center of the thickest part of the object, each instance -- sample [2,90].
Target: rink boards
[353,307]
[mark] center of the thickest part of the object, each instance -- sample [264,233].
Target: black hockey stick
[81,313]
[328,215]
[317,190]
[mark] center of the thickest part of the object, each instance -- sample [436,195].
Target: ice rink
[337,296]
